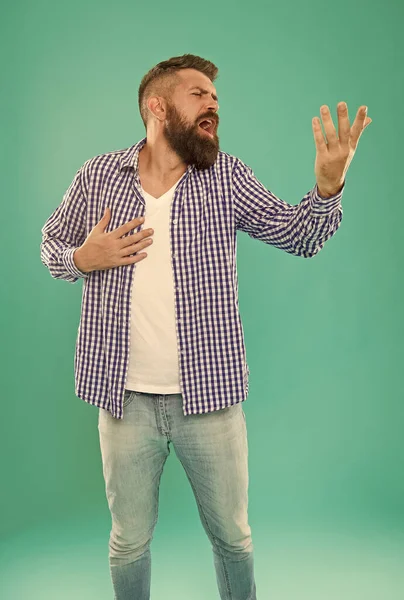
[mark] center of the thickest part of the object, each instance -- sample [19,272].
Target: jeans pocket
[128,397]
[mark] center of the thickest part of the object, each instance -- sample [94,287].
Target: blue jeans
[212,448]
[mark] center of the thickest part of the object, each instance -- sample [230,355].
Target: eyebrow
[197,87]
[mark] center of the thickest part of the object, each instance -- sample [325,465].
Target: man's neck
[160,164]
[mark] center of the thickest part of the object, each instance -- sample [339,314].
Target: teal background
[323,336]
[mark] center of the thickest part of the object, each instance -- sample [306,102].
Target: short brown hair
[162,79]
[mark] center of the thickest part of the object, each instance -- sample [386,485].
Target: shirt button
[175,221]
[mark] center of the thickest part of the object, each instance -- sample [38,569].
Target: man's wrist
[329,193]
[79,260]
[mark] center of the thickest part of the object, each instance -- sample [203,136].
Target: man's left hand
[334,156]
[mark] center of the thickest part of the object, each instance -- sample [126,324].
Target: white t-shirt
[153,358]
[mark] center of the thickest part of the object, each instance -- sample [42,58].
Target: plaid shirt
[208,208]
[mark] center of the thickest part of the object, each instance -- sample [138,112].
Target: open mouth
[208,126]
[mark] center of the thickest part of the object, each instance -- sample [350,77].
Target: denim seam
[213,536]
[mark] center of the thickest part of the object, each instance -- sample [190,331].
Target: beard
[190,143]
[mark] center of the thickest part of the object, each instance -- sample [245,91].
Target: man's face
[182,126]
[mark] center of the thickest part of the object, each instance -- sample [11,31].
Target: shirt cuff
[67,257]
[324,206]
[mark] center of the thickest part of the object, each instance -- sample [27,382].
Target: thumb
[103,222]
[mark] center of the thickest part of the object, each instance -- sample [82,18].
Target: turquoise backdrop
[324,336]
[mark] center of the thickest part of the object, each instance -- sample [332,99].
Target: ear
[156,107]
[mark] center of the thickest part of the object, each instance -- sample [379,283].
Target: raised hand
[335,155]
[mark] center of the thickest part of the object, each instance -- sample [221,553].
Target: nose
[213,105]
